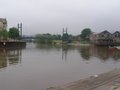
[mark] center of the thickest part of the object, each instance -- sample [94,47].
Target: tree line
[12,33]
[47,38]
[66,38]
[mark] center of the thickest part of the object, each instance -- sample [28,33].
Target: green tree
[85,33]
[56,37]
[44,38]
[3,34]
[14,33]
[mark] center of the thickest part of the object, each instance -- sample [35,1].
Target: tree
[3,34]
[44,38]
[56,37]
[85,33]
[14,33]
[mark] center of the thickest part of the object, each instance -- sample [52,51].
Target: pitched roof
[105,32]
[116,32]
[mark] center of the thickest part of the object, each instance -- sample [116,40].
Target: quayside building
[105,38]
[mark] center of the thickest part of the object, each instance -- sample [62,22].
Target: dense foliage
[14,33]
[3,34]
[47,38]
[85,33]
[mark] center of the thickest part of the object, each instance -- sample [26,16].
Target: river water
[40,67]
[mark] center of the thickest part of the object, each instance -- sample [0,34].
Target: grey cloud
[40,16]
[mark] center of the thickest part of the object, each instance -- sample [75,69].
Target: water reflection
[48,47]
[9,57]
[65,50]
[86,52]
[61,48]
[103,53]
[45,65]
[3,60]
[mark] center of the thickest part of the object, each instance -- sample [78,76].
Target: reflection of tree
[3,60]
[85,52]
[9,56]
[48,47]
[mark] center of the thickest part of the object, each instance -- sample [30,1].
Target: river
[39,67]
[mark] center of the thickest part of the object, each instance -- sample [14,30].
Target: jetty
[14,43]
[105,81]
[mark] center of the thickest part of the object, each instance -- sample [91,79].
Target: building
[105,38]
[116,37]
[3,24]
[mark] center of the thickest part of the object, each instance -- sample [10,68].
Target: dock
[105,81]
[17,43]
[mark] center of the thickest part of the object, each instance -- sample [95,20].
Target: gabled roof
[104,32]
[116,32]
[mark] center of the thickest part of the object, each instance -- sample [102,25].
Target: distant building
[116,37]
[3,24]
[105,38]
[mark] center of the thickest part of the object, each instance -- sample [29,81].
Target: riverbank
[17,43]
[74,43]
[105,81]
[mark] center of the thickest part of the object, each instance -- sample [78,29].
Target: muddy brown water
[40,67]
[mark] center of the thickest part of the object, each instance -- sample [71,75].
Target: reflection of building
[3,24]
[105,38]
[103,53]
[65,50]
[9,57]
[14,56]
[64,53]
[100,52]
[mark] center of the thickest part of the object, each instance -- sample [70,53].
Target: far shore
[74,43]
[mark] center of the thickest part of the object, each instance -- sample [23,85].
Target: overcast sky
[42,16]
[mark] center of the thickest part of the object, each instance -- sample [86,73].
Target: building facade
[3,24]
[106,38]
